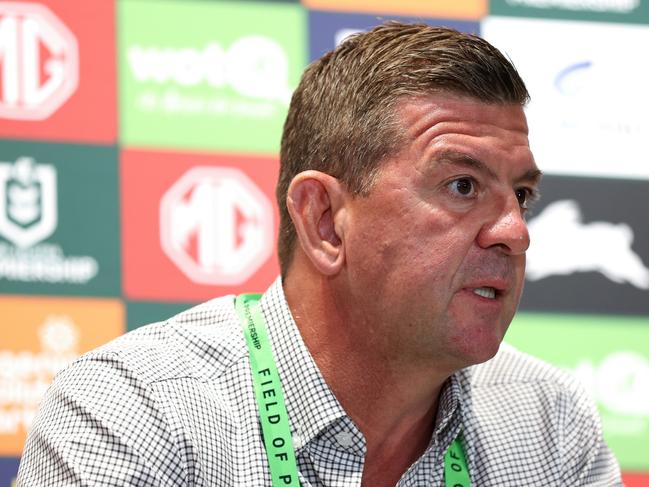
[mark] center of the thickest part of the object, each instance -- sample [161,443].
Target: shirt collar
[450,404]
[311,405]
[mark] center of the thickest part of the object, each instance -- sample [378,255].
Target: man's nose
[506,228]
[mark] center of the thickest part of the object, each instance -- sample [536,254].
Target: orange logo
[40,336]
[456,9]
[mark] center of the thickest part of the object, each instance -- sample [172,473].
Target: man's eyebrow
[532,176]
[461,159]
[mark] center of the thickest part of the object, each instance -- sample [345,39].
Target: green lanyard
[268,391]
[272,408]
[456,471]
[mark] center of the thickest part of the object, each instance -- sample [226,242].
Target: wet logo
[39,62]
[620,385]
[620,382]
[562,244]
[216,226]
[253,67]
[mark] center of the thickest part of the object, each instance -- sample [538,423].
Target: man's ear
[315,202]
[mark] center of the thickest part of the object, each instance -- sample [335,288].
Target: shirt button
[345,439]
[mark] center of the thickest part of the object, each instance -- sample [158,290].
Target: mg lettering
[39,62]
[216,226]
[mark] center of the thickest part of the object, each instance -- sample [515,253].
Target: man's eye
[463,186]
[525,196]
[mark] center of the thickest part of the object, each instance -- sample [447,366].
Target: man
[405,177]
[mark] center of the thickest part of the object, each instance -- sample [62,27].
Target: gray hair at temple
[341,120]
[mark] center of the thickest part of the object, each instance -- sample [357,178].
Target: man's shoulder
[510,366]
[528,388]
[517,403]
[202,343]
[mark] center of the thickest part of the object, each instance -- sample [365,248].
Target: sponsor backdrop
[139,152]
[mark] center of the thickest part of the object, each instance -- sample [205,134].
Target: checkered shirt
[172,404]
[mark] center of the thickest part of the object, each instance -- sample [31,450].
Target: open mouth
[486,292]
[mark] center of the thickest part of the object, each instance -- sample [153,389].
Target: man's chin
[480,347]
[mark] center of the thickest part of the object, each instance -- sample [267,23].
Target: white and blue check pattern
[172,404]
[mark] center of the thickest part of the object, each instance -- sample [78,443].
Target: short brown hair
[341,117]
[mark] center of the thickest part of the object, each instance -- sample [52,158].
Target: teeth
[485,292]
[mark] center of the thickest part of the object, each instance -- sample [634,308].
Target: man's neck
[393,402]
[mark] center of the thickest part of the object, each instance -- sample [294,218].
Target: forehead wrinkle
[424,116]
[424,134]
[423,127]
[421,114]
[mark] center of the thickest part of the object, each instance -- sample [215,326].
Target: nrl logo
[28,201]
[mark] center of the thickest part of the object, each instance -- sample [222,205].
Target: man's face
[436,253]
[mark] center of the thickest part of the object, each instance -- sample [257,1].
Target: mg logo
[28,201]
[39,62]
[216,226]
